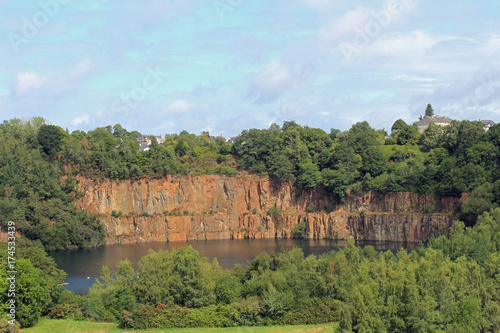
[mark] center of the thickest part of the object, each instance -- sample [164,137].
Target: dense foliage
[38,282]
[451,285]
[446,161]
[113,152]
[35,190]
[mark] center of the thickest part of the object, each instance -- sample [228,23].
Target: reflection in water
[84,266]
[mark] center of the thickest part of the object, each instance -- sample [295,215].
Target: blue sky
[162,66]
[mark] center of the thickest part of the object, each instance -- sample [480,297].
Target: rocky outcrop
[247,206]
[402,228]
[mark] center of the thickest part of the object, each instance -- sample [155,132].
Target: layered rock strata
[207,207]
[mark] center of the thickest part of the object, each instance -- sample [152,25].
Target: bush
[311,208]
[66,311]
[275,212]
[299,230]
[6,327]
[390,142]
[221,158]
[145,214]
[114,213]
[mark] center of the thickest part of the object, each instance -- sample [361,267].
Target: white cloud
[369,21]
[413,78]
[28,81]
[81,69]
[179,106]
[289,111]
[346,25]
[84,119]
[268,85]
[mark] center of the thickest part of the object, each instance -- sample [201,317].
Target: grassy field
[69,326]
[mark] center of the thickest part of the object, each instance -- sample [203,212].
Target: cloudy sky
[162,66]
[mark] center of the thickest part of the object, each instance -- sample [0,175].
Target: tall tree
[398,124]
[429,111]
[50,138]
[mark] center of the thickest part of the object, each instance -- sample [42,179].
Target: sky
[223,66]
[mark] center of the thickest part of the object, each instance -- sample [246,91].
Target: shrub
[275,212]
[115,213]
[221,158]
[311,208]
[66,311]
[390,142]
[5,327]
[299,230]
[145,214]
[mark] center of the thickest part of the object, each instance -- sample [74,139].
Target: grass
[70,326]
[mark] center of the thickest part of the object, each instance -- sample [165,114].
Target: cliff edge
[248,206]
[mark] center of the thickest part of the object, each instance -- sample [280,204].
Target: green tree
[407,135]
[282,168]
[432,137]
[462,134]
[50,138]
[309,174]
[429,111]
[335,182]
[227,288]
[182,148]
[29,292]
[480,201]
[398,124]
[119,131]
[374,161]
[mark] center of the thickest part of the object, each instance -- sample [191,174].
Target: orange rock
[223,207]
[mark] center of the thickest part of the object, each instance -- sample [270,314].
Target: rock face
[247,206]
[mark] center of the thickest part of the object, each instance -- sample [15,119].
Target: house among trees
[429,117]
[142,137]
[424,122]
[144,146]
[487,124]
[231,139]
[147,138]
[145,141]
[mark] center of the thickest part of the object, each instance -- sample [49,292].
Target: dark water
[84,266]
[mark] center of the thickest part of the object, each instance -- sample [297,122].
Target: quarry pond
[84,266]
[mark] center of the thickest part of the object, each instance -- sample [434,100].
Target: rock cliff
[247,206]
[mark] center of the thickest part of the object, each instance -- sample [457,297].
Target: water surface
[84,266]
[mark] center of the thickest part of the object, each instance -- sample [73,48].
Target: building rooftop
[487,122]
[426,120]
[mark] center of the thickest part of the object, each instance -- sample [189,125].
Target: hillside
[48,174]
